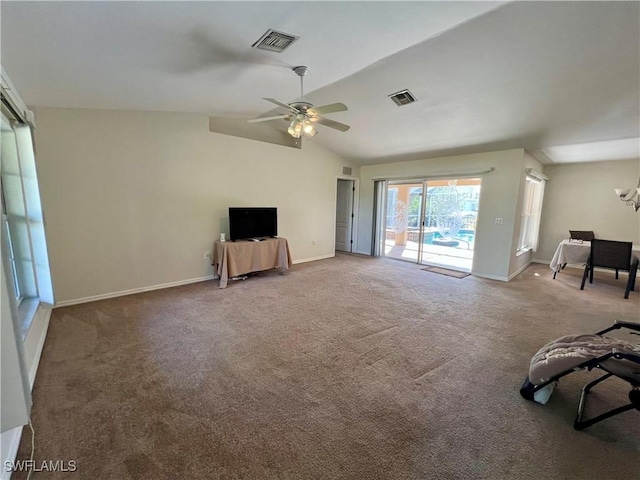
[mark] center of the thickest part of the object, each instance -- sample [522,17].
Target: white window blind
[531,210]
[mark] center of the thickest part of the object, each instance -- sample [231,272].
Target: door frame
[409,180]
[355,207]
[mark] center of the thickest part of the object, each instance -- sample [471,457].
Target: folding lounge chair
[618,358]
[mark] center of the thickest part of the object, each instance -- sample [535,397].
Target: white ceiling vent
[275,41]
[403,97]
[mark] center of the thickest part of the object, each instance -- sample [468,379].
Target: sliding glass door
[449,222]
[432,221]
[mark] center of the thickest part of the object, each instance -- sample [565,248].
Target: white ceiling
[487,75]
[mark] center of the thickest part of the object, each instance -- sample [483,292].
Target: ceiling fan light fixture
[630,196]
[301,125]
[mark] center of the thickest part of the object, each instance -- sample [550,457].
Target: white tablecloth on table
[573,252]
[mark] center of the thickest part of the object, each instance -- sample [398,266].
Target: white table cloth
[577,253]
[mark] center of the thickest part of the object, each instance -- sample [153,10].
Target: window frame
[19,246]
[533,197]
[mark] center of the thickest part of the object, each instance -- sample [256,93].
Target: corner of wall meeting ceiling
[10,92]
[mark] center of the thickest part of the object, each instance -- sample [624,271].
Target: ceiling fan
[305,115]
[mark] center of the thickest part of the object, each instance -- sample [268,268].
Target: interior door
[344,215]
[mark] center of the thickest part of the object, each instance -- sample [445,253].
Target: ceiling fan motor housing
[302,106]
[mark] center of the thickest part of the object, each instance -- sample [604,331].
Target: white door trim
[356,203]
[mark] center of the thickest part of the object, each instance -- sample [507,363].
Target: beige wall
[499,195]
[580,196]
[134,199]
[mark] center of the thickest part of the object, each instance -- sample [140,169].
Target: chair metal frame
[528,389]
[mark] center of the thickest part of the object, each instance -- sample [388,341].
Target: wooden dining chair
[613,255]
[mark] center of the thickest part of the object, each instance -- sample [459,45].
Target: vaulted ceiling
[561,79]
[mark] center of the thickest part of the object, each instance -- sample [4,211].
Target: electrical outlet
[498,221]
[207,255]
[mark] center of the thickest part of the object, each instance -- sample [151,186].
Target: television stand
[238,258]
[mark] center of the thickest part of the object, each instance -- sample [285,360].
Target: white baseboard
[10,444]
[503,279]
[490,277]
[536,260]
[519,271]
[132,291]
[122,293]
[313,259]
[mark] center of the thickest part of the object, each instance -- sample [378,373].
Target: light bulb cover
[295,129]
[301,125]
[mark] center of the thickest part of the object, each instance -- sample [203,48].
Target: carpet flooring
[347,368]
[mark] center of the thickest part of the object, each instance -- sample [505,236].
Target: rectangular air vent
[275,41]
[403,97]
[346,170]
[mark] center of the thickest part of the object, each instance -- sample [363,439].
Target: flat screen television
[252,222]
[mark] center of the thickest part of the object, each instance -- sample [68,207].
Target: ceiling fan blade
[264,119]
[331,108]
[333,124]
[283,105]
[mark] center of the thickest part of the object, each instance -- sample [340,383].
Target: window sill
[523,251]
